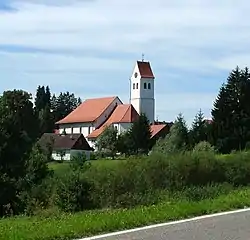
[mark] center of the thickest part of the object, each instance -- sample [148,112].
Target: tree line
[23,166]
[229,129]
[51,108]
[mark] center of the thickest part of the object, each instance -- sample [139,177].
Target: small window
[149,86]
[145,85]
[136,85]
[89,130]
[133,85]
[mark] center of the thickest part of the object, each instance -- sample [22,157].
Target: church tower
[142,90]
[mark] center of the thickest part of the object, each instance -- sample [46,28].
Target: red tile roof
[145,69]
[124,113]
[155,129]
[88,111]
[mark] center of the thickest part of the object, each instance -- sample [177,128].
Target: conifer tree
[140,134]
[231,114]
[199,129]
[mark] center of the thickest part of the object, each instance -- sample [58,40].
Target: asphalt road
[234,226]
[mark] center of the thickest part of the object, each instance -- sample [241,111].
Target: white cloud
[202,37]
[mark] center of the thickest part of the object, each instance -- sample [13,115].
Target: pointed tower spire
[142,89]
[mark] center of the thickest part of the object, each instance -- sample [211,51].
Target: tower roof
[145,69]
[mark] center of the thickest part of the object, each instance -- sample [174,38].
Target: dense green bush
[39,197]
[125,185]
[73,189]
[204,146]
[194,175]
[73,193]
[194,193]
[140,181]
[237,168]
[38,182]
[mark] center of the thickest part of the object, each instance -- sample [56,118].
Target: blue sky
[89,47]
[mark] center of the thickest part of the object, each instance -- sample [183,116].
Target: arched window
[149,86]
[133,85]
[145,85]
[136,85]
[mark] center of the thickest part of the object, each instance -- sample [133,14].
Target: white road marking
[165,224]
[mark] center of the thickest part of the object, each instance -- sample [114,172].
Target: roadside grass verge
[72,226]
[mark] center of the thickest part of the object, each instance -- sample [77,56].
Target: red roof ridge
[117,116]
[156,128]
[97,98]
[125,106]
[128,108]
[114,97]
[73,117]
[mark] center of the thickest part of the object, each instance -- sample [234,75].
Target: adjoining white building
[93,115]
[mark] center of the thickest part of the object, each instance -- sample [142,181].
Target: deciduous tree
[18,126]
[177,139]
[107,141]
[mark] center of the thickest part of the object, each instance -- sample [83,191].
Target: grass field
[61,168]
[70,226]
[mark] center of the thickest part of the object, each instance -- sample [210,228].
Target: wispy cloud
[90,47]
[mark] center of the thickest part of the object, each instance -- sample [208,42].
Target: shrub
[125,185]
[247,147]
[93,156]
[185,169]
[204,147]
[201,174]
[139,181]
[194,193]
[80,163]
[73,193]
[39,197]
[237,168]
[37,185]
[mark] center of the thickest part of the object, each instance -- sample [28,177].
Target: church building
[94,115]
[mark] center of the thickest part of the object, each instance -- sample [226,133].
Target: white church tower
[142,90]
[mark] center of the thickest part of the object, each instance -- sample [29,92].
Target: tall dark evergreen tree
[140,134]
[64,104]
[43,109]
[43,98]
[79,101]
[199,129]
[47,97]
[231,112]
